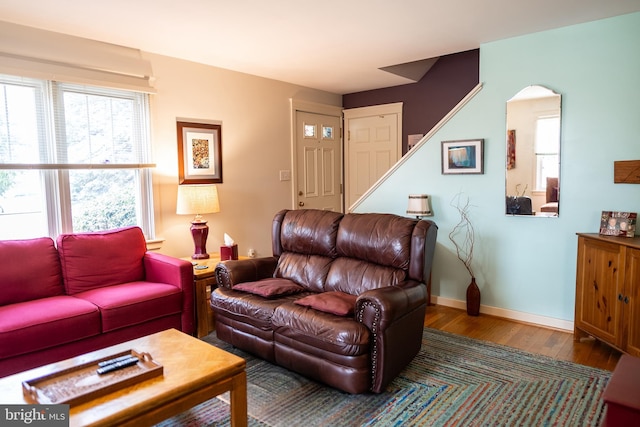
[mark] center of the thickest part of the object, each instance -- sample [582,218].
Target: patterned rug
[453,381]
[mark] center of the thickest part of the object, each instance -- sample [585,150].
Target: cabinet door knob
[626,300]
[619,297]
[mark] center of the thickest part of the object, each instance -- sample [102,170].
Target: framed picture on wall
[199,153]
[463,157]
[511,149]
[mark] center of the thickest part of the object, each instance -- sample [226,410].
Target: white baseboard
[519,316]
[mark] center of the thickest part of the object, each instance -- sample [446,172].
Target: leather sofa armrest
[230,273]
[160,268]
[379,308]
[395,317]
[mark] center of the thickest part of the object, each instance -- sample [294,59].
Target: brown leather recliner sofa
[341,301]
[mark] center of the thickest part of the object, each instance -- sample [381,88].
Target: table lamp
[419,205]
[198,200]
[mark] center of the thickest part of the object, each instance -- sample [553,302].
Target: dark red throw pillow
[334,302]
[270,288]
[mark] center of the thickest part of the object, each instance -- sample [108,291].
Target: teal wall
[528,264]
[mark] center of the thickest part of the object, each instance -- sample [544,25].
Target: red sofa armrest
[395,317]
[161,268]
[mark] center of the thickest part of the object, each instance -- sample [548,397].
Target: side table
[204,281]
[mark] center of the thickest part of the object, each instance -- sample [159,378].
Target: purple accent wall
[427,101]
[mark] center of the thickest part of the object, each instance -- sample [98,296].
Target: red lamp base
[199,232]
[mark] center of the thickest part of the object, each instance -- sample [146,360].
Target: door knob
[301,204]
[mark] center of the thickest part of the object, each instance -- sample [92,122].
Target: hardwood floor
[534,339]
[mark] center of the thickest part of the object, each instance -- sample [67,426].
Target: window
[547,147]
[72,158]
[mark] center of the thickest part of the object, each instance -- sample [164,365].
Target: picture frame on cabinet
[199,153]
[620,224]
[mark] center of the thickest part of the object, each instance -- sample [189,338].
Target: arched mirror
[533,153]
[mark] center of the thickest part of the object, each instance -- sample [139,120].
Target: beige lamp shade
[197,199]
[419,205]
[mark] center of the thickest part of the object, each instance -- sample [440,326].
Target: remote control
[117,365]
[116,360]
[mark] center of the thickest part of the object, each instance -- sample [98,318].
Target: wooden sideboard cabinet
[608,291]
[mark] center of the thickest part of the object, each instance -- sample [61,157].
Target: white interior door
[318,161]
[373,146]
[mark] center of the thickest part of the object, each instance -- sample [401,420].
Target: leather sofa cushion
[248,308]
[310,232]
[383,239]
[47,322]
[30,270]
[335,334]
[354,276]
[309,271]
[98,259]
[334,302]
[270,288]
[133,303]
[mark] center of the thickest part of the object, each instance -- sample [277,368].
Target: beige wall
[256,144]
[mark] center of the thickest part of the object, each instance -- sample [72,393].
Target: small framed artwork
[511,149]
[620,224]
[413,139]
[199,153]
[463,157]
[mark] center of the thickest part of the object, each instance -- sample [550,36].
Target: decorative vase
[473,298]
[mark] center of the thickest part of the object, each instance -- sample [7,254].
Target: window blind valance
[35,53]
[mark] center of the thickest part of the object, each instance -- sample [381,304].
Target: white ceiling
[333,45]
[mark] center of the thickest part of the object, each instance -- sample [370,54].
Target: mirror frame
[532,103]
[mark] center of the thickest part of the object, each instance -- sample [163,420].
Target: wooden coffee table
[194,372]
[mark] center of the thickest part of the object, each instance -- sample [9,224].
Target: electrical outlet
[285,175]
[251,253]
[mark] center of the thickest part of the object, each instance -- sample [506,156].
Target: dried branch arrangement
[464,228]
[523,191]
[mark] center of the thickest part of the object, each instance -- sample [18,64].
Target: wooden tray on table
[82,383]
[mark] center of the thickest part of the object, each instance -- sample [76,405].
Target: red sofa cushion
[133,303]
[30,270]
[270,288]
[98,259]
[47,322]
[338,303]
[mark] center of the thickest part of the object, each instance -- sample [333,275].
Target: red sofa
[89,291]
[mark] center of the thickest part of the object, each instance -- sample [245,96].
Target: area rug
[453,381]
